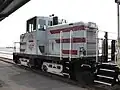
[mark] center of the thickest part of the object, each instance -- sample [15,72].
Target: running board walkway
[107,74]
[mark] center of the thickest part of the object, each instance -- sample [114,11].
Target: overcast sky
[102,12]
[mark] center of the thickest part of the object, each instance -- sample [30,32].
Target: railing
[7,52]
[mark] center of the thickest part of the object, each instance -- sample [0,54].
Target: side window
[41,24]
[31,24]
[50,23]
[30,27]
[38,26]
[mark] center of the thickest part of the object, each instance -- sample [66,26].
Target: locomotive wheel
[44,68]
[29,65]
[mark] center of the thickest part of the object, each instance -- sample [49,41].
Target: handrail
[60,45]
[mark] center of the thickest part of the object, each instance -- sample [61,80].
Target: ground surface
[13,78]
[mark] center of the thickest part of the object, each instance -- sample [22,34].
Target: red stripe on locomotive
[73,52]
[75,28]
[74,40]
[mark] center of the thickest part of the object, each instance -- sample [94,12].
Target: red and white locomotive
[67,49]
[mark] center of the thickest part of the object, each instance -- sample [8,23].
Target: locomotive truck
[70,50]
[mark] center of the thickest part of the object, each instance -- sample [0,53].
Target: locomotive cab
[70,50]
[38,23]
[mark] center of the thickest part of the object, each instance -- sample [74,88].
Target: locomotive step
[109,66]
[107,70]
[105,76]
[96,81]
[105,80]
[107,73]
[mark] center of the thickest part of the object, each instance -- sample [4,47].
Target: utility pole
[118,38]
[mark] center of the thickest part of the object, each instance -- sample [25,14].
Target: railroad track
[56,77]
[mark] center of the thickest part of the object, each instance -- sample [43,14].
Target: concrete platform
[12,78]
